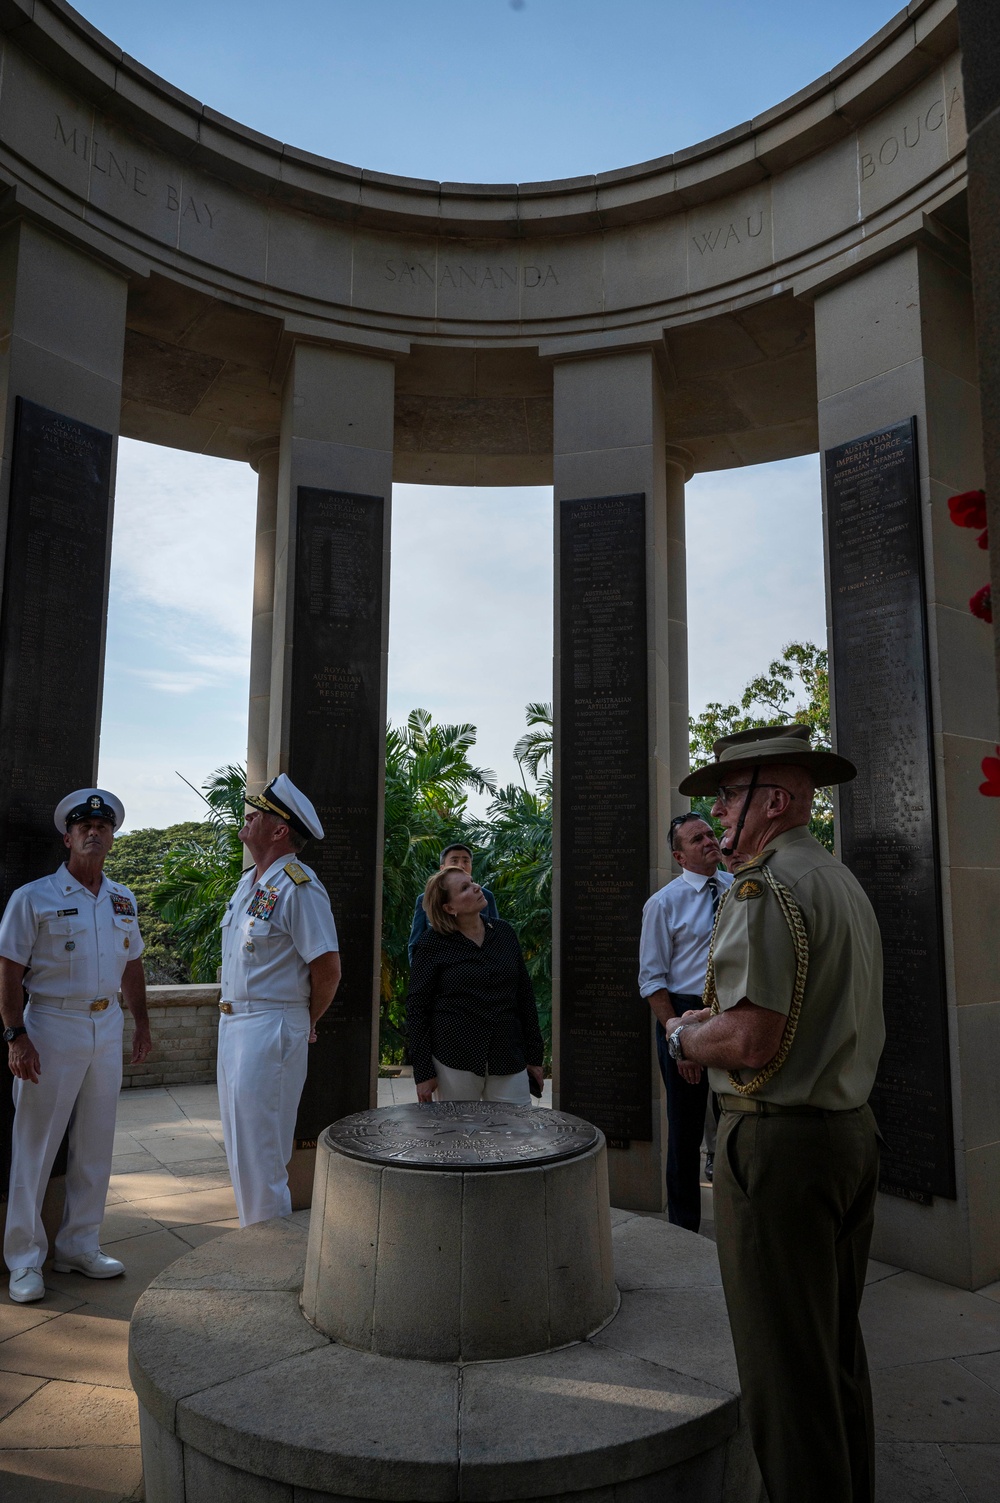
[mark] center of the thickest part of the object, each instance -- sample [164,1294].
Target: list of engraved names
[335,755]
[887,833]
[604,814]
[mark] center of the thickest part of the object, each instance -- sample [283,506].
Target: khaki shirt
[841,1031]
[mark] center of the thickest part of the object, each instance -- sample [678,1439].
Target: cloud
[184,538]
[755,572]
[470,634]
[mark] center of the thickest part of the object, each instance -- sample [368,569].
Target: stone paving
[68,1426]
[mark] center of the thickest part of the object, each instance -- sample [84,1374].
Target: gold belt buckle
[226,1007]
[100,1004]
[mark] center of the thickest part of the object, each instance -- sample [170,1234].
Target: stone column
[620,689]
[263,459]
[328,686]
[897,341]
[62,333]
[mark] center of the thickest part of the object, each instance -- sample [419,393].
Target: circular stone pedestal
[242,1398]
[460,1231]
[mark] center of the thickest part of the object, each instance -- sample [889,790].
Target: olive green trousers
[794,1209]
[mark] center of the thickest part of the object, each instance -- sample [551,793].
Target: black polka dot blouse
[472,1007]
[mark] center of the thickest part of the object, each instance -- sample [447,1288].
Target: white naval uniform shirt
[677,926]
[75,943]
[266,954]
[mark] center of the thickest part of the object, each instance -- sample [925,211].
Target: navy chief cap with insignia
[281,797]
[88,803]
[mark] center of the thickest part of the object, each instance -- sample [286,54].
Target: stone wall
[184,1022]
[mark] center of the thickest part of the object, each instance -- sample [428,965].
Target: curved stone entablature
[235,245]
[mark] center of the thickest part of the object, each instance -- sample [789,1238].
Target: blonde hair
[436,896]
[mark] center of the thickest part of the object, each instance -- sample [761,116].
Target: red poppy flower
[983,540]
[981,604]
[968,509]
[991,772]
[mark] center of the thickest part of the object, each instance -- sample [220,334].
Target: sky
[456,90]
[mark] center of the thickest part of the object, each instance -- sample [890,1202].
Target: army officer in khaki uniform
[792,1037]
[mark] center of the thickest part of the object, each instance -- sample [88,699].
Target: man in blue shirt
[461,857]
[677,927]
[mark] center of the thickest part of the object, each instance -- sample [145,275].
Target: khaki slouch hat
[767,745]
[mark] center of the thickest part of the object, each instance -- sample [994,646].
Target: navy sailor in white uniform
[72,942]
[280,972]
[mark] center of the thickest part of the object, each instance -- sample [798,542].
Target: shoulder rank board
[121,904]
[296,873]
[750,887]
[262,903]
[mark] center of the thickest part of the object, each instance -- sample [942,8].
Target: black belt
[774,1109]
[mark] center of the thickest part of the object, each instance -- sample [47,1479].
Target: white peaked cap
[88,803]
[281,797]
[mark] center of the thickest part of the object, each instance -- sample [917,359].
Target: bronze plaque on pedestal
[602,781]
[469,1136]
[336,756]
[887,832]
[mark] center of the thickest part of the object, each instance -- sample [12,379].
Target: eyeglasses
[725,796]
[676,822]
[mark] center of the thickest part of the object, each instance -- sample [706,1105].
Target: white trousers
[78,1085]
[462,1085]
[263,1053]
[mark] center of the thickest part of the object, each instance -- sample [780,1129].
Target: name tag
[66,912]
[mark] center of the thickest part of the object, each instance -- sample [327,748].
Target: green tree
[796,687]
[199,875]
[137,860]
[535,747]
[428,777]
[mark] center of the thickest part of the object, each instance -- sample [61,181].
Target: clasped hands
[686,1068]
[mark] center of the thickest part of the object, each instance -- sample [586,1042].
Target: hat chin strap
[731,850]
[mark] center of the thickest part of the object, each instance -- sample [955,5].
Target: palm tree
[199,874]
[535,746]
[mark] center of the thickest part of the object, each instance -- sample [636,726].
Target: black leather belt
[773,1109]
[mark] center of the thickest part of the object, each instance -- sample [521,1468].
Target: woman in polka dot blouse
[471,1014]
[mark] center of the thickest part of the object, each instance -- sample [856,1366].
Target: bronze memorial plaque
[465,1135]
[602,780]
[887,831]
[336,753]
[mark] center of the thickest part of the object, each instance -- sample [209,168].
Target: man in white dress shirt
[72,941]
[677,926]
[280,972]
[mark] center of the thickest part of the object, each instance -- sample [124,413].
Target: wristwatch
[10,1034]
[674,1043]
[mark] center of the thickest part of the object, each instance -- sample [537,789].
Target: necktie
[714,893]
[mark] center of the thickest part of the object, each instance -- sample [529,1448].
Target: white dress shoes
[95,1265]
[26,1284]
